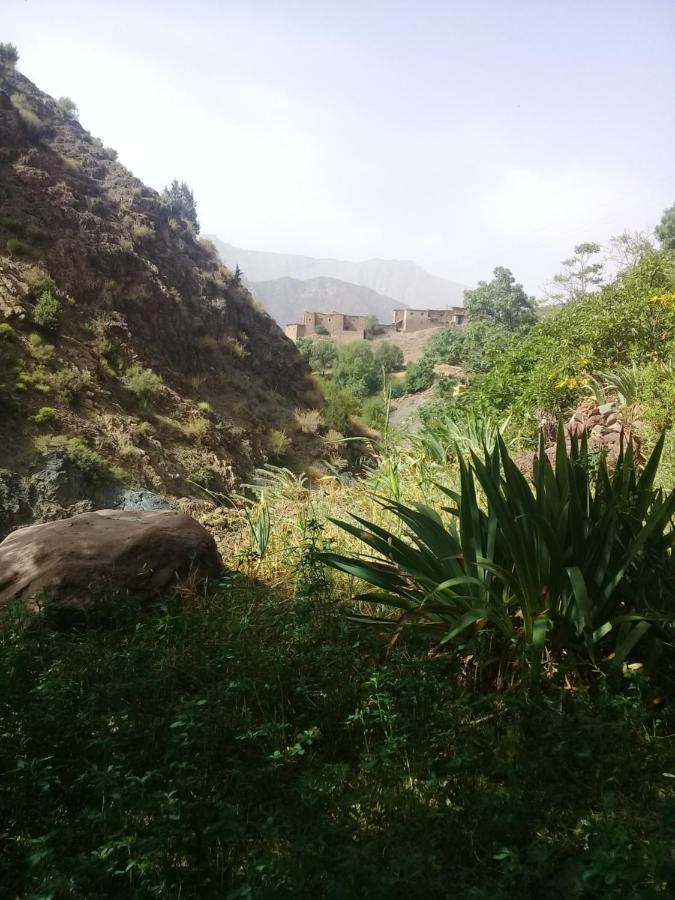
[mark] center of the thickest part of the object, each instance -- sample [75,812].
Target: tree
[627,249]
[180,200]
[501,302]
[665,230]
[9,55]
[579,276]
[68,108]
[319,355]
[356,370]
[388,356]
[237,276]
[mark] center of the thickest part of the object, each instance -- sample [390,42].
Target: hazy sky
[464,135]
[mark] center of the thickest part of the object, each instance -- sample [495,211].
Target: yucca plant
[578,560]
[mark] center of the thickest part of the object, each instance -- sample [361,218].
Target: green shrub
[204,406]
[144,383]
[550,367]
[68,107]
[48,312]
[28,116]
[419,376]
[278,443]
[340,406]
[17,247]
[388,356]
[6,331]
[44,414]
[87,460]
[578,565]
[69,382]
[40,283]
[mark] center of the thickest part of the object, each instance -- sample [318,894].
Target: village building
[418,319]
[336,325]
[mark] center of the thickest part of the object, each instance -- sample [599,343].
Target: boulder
[144,552]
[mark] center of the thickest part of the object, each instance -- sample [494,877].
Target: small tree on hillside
[501,301]
[9,55]
[68,107]
[665,230]
[627,249]
[580,274]
[388,356]
[180,200]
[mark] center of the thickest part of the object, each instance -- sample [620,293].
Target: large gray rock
[143,552]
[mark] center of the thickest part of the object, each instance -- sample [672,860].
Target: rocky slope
[286,299]
[156,364]
[403,280]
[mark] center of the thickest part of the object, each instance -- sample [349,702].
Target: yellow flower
[664,299]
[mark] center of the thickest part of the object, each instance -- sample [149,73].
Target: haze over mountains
[286,298]
[289,283]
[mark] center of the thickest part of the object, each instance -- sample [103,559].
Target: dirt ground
[412,343]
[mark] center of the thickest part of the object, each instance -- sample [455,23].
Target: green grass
[252,746]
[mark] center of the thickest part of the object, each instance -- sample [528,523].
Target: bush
[68,107]
[204,407]
[374,411]
[17,247]
[40,283]
[340,406]
[278,443]
[144,383]
[549,368]
[6,331]
[388,356]
[309,420]
[9,55]
[48,313]
[69,382]
[197,427]
[419,376]
[44,414]
[87,460]
[28,116]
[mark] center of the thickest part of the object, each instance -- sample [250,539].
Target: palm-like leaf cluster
[578,561]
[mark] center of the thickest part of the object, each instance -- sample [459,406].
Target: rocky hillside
[125,345]
[286,299]
[403,280]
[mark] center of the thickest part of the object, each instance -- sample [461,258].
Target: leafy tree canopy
[665,230]
[68,107]
[9,55]
[181,202]
[388,356]
[580,275]
[357,370]
[501,301]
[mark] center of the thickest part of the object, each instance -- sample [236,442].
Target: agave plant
[576,560]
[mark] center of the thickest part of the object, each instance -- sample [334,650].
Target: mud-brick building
[338,326]
[418,319]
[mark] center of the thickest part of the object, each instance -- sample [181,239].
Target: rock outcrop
[606,427]
[142,552]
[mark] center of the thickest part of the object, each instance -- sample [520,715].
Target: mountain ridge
[405,281]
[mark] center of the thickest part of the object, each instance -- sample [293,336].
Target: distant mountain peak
[396,282]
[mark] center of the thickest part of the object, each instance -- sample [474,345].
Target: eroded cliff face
[138,290]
